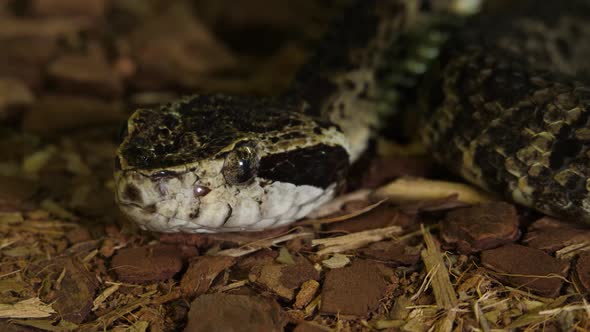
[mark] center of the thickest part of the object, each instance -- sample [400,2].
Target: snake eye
[241,164]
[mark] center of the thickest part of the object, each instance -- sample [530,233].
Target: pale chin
[170,206]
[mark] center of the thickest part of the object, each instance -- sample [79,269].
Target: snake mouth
[163,200]
[189,203]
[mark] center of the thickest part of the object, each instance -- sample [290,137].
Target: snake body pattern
[500,103]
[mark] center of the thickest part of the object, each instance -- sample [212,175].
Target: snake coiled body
[501,108]
[514,113]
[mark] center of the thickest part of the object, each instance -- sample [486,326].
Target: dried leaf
[29,308]
[405,190]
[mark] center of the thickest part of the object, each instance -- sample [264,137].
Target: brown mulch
[398,253]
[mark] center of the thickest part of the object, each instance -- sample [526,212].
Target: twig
[355,240]
[444,293]
[260,244]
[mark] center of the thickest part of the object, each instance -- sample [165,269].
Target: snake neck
[367,65]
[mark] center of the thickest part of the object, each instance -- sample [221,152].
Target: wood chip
[306,293]
[211,312]
[201,273]
[583,271]
[480,227]
[354,290]
[284,279]
[526,267]
[550,235]
[149,263]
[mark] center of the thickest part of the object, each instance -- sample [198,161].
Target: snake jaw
[201,200]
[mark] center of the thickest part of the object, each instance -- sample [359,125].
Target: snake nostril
[200,191]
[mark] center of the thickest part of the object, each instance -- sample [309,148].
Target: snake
[501,100]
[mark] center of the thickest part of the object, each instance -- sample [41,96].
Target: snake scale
[502,102]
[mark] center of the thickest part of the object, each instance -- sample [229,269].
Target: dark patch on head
[318,166]
[171,121]
[132,193]
[199,127]
[317,130]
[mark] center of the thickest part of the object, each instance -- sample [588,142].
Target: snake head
[220,163]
